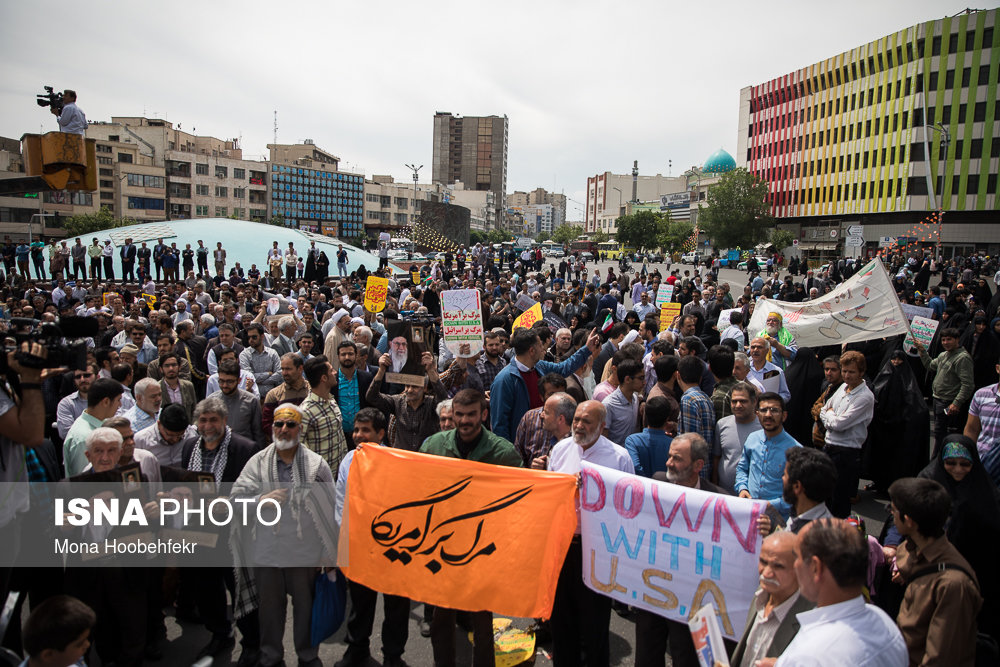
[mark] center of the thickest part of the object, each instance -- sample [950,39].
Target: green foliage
[781,238]
[88,223]
[542,237]
[675,235]
[567,233]
[738,213]
[476,236]
[277,220]
[498,236]
[599,236]
[642,229]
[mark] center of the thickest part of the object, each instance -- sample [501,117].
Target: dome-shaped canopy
[719,162]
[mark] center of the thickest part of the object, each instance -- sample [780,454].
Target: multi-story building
[882,135]
[541,196]
[472,150]
[309,192]
[482,205]
[533,218]
[608,193]
[206,177]
[392,207]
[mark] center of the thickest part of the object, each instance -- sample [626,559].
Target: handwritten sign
[724,317]
[921,329]
[462,322]
[665,294]
[669,549]
[376,291]
[524,302]
[528,317]
[912,311]
[668,312]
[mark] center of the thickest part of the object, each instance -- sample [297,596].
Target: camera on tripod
[50,99]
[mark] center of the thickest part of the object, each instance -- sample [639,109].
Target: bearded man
[284,557]
[783,347]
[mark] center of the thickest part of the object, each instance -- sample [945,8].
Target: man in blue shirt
[649,450]
[758,474]
[936,303]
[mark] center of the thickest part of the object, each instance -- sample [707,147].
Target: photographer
[71,118]
[21,419]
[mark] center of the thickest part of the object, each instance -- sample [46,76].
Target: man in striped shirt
[697,413]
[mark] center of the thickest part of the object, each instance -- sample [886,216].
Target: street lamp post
[413,218]
[943,160]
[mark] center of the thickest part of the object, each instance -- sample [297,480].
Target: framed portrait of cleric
[405,350]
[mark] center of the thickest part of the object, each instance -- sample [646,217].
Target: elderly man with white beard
[580,616]
[783,347]
[301,482]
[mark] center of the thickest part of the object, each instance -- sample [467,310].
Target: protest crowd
[667,373]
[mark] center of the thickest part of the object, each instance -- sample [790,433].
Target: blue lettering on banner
[699,560]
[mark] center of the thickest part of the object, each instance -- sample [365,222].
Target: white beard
[398,360]
[284,445]
[585,439]
[773,331]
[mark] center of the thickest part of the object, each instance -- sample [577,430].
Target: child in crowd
[57,633]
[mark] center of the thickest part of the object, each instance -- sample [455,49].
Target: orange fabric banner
[455,533]
[528,317]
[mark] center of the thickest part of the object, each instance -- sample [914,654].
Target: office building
[608,193]
[473,150]
[882,135]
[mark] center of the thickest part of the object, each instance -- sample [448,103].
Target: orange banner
[455,533]
[528,317]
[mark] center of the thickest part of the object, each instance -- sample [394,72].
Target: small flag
[606,327]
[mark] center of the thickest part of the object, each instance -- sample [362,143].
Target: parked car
[655,257]
[761,262]
[690,258]
[587,256]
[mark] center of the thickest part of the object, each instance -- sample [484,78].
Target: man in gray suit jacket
[772,623]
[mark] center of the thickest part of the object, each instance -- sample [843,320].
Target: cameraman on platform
[22,425]
[71,118]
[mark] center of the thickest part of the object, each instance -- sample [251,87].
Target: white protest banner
[921,329]
[914,311]
[665,294]
[724,318]
[669,549]
[861,308]
[462,322]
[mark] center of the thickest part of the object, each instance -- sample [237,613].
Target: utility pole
[413,218]
[635,181]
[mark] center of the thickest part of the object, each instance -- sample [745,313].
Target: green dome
[719,162]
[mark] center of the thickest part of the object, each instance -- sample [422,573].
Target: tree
[476,236]
[641,229]
[498,236]
[277,220]
[88,223]
[567,233]
[542,237]
[781,239]
[599,236]
[738,211]
[677,232]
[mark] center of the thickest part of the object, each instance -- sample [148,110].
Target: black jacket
[240,450]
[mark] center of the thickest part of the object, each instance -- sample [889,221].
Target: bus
[583,246]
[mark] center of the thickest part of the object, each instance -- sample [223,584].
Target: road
[185,640]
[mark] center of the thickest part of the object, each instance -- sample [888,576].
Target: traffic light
[65,161]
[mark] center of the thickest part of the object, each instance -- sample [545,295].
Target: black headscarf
[804,376]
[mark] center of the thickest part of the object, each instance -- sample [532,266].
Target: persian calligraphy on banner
[150,298]
[922,329]
[861,308]
[669,549]
[376,291]
[528,317]
[665,294]
[462,322]
[455,533]
[668,312]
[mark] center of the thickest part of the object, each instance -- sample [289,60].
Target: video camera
[65,342]
[50,99]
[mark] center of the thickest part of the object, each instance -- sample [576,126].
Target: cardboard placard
[665,294]
[668,312]
[376,293]
[921,329]
[462,322]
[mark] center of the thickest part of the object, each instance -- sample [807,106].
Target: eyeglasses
[82,376]
[769,411]
[285,424]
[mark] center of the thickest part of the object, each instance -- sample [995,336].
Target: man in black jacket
[224,454]
[127,253]
[193,349]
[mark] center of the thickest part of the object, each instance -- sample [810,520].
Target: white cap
[338,315]
[630,336]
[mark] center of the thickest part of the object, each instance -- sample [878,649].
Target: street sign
[855,230]
[854,241]
[886,241]
[795,241]
[834,233]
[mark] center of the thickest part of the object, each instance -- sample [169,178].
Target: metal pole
[945,143]
[413,218]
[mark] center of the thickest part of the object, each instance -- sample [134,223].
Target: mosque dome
[719,162]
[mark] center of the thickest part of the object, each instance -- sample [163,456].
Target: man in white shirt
[581,617]
[767,374]
[71,117]
[644,307]
[846,416]
[831,565]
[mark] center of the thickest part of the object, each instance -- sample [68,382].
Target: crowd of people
[249,375]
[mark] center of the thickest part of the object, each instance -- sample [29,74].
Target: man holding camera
[70,117]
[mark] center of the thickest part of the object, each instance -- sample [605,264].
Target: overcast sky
[588,86]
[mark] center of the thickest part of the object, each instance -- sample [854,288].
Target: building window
[106,172]
[107,195]
[221,211]
[101,148]
[145,181]
[107,184]
[221,172]
[146,203]
[201,190]
[972,184]
[201,169]
[239,193]
[201,211]
[125,157]
[239,173]
[221,191]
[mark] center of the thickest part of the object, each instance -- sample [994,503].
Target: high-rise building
[881,136]
[473,150]
[520,199]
